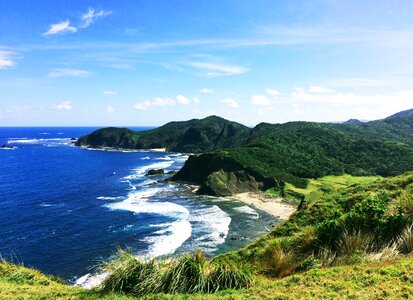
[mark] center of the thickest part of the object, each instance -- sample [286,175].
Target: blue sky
[147,62]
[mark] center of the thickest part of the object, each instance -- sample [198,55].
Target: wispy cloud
[230,102]
[86,20]
[182,99]
[359,82]
[402,99]
[6,61]
[60,28]
[110,109]
[91,16]
[260,100]
[56,73]
[65,105]
[215,69]
[206,91]
[163,101]
[109,93]
[319,90]
[273,92]
[158,101]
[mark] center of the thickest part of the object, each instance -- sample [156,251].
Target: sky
[148,62]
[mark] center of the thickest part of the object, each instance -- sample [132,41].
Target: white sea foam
[169,238]
[164,158]
[40,141]
[248,210]
[214,226]
[145,158]
[140,172]
[108,198]
[8,148]
[142,206]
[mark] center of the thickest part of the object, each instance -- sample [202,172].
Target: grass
[388,279]
[184,274]
[316,188]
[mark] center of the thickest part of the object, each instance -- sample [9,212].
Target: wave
[140,172]
[214,226]
[141,206]
[164,158]
[248,210]
[40,141]
[109,198]
[145,158]
[169,238]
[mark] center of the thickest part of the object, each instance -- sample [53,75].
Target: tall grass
[184,274]
[277,260]
[405,240]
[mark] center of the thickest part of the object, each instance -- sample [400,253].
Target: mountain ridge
[291,152]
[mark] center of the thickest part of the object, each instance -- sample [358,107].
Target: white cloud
[5,60]
[182,99]
[273,93]
[109,109]
[60,28]
[166,101]
[69,72]
[91,16]
[65,105]
[158,101]
[319,90]
[206,91]
[230,102]
[196,100]
[359,82]
[215,70]
[260,100]
[109,93]
[401,100]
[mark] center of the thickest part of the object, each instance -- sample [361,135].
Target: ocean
[64,209]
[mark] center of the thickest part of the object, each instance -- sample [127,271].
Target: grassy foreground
[380,280]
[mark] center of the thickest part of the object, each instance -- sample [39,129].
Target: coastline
[273,206]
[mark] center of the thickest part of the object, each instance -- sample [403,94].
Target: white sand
[272,205]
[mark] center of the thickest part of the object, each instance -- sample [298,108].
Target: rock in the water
[155,172]
[171,172]
[5,146]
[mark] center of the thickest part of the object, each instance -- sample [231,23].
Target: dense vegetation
[362,222]
[188,136]
[296,151]
[291,152]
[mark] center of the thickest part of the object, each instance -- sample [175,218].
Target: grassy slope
[316,188]
[385,279]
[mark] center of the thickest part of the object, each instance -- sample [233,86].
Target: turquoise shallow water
[64,209]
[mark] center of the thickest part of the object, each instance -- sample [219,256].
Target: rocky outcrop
[223,183]
[221,176]
[155,172]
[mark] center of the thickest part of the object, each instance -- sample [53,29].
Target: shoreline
[274,206]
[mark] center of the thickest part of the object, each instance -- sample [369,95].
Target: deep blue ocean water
[64,209]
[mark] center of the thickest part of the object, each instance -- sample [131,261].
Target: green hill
[188,136]
[296,151]
[269,155]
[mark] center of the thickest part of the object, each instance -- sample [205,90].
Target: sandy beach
[273,206]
